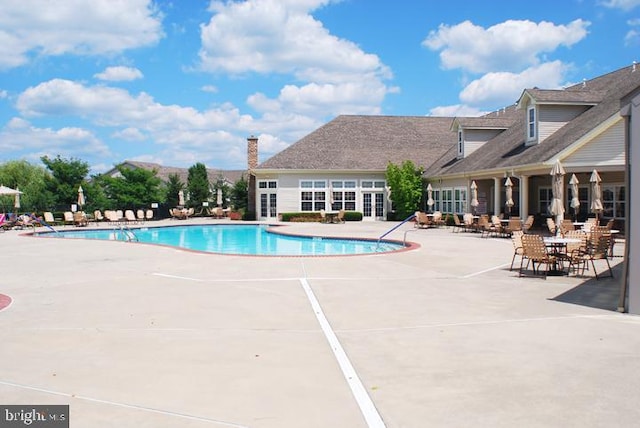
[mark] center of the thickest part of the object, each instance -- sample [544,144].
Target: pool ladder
[128,234]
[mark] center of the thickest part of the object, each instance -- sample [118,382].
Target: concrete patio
[134,335]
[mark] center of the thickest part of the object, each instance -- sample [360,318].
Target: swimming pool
[262,240]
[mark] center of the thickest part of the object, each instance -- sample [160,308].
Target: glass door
[373,205]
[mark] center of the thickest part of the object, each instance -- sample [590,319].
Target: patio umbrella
[596,193]
[508,190]
[474,196]
[575,199]
[219,197]
[181,198]
[557,185]
[430,200]
[4,190]
[81,200]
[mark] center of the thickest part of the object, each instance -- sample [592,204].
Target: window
[545,195]
[613,203]
[371,184]
[267,184]
[447,201]
[312,195]
[437,202]
[531,123]
[460,200]
[343,195]
[460,143]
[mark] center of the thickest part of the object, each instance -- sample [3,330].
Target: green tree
[134,188]
[198,185]
[405,182]
[239,194]
[173,186]
[65,178]
[30,180]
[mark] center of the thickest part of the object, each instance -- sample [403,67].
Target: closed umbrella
[508,190]
[430,200]
[575,198]
[474,196]
[181,198]
[219,197]
[557,187]
[81,200]
[16,202]
[596,193]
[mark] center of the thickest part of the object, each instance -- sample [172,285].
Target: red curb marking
[4,301]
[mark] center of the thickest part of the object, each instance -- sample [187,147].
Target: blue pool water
[235,239]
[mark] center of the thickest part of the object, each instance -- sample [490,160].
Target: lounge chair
[68,218]
[437,219]
[79,218]
[340,217]
[50,219]
[528,224]
[130,216]
[148,215]
[97,216]
[140,216]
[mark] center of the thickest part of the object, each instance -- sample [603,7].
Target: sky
[186,81]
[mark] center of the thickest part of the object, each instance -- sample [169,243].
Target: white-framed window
[531,123]
[460,200]
[613,201]
[372,184]
[437,200]
[545,196]
[447,201]
[267,184]
[343,195]
[460,143]
[313,195]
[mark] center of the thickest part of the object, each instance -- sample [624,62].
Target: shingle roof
[577,94]
[163,172]
[507,150]
[501,119]
[368,143]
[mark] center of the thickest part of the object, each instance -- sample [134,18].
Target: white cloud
[511,45]
[78,27]
[3,94]
[625,5]
[281,36]
[20,135]
[119,74]
[456,110]
[129,134]
[209,88]
[504,88]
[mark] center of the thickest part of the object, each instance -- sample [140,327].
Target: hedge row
[312,216]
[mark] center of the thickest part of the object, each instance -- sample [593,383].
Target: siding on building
[553,117]
[605,149]
[476,138]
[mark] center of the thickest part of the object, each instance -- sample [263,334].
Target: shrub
[352,216]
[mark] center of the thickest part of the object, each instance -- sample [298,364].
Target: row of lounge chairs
[80,218]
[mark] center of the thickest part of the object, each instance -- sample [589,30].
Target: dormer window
[460,143]
[531,123]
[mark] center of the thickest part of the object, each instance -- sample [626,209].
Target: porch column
[524,196]
[497,182]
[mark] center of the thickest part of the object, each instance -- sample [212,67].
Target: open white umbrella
[430,201]
[181,198]
[557,187]
[4,190]
[81,200]
[575,198]
[474,196]
[596,193]
[508,190]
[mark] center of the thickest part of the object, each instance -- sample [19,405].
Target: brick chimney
[252,152]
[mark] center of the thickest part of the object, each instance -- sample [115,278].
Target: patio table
[559,246]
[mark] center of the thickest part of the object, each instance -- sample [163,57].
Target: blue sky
[180,82]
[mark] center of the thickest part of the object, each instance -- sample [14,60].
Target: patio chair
[140,216]
[97,216]
[514,225]
[148,215]
[535,251]
[566,226]
[575,251]
[551,225]
[516,238]
[457,224]
[340,217]
[79,218]
[437,219]
[467,219]
[528,224]
[422,220]
[598,250]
